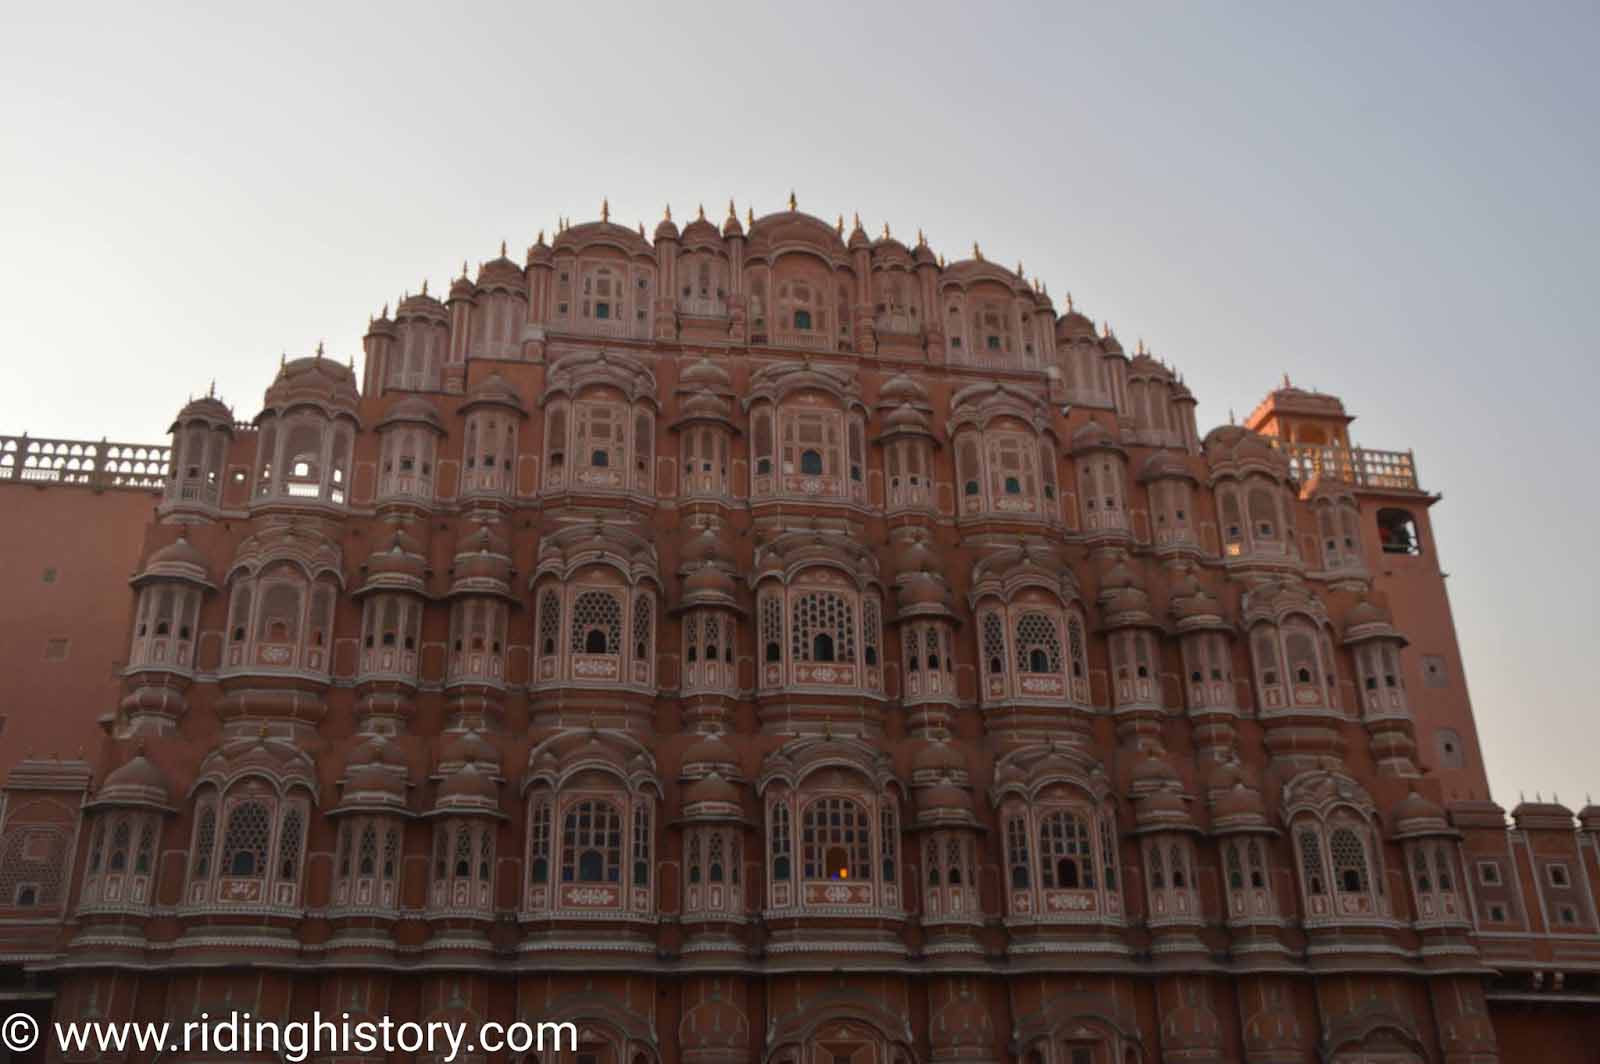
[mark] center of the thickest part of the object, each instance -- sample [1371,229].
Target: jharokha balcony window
[252,809]
[821,633]
[834,837]
[1061,861]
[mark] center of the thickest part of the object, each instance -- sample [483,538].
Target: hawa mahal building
[763,642]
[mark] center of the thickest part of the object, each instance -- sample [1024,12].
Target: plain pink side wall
[93,541]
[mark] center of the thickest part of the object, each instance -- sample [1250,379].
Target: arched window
[772,629]
[813,443]
[1311,862]
[555,434]
[602,294]
[146,855]
[205,841]
[888,840]
[1300,646]
[1263,515]
[597,623]
[367,863]
[1232,521]
[1420,871]
[278,624]
[1349,861]
[1065,859]
[289,844]
[244,843]
[823,622]
[781,843]
[641,844]
[591,843]
[1397,531]
[967,466]
[994,644]
[367,855]
[643,616]
[837,840]
[539,842]
[1038,644]
[1017,852]
[549,622]
[761,432]
[121,838]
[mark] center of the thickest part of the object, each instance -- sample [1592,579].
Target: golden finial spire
[1019,268]
[605,210]
[977,252]
[794,204]
[733,215]
[319,350]
[536,243]
[502,249]
[1069,303]
[855,220]
[385,312]
[749,217]
[669,213]
[700,215]
[424,286]
[886,230]
[1140,349]
[941,260]
[211,393]
[922,241]
[463,268]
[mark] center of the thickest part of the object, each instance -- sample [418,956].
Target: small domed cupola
[138,783]
[469,789]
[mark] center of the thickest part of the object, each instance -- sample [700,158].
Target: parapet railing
[1354,465]
[1008,361]
[98,464]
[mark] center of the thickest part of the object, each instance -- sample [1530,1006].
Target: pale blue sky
[1393,203]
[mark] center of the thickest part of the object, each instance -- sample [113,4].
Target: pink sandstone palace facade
[765,642]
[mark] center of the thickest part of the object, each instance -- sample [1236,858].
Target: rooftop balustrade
[97,464]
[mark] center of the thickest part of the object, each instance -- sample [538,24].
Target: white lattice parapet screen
[1357,465]
[101,464]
